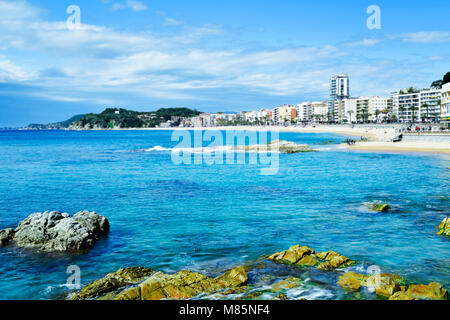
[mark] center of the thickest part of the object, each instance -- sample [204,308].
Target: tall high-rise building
[339,90]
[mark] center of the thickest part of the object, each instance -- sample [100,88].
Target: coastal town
[406,106]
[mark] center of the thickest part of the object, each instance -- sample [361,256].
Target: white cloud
[96,61]
[129,4]
[169,22]
[11,72]
[424,37]
[364,43]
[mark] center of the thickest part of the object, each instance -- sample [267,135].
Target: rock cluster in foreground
[305,256]
[284,147]
[145,284]
[444,228]
[393,287]
[55,231]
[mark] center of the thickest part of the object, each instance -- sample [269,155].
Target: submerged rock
[305,256]
[158,286]
[392,286]
[55,231]
[352,281]
[6,236]
[433,291]
[444,228]
[281,146]
[333,260]
[379,207]
[288,283]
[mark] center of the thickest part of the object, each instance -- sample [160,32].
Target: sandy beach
[405,146]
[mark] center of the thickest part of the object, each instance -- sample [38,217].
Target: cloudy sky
[211,55]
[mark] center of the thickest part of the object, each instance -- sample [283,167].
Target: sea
[210,216]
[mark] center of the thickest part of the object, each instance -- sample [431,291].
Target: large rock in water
[281,146]
[391,286]
[148,285]
[305,256]
[444,228]
[55,231]
[112,282]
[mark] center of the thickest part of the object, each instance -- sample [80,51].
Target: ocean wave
[225,149]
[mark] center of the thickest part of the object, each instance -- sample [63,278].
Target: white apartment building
[305,112]
[345,110]
[285,113]
[430,108]
[445,107]
[339,90]
[207,120]
[320,111]
[379,108]
[406,106]
[417,105]
[265,115]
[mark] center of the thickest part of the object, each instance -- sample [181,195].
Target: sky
[213,55]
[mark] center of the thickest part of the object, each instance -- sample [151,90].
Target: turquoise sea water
[210,218]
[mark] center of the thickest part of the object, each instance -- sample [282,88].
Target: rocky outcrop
[158,286]
[444,228]
[284,147]
[113,282]
[432,291]
[379,207]
[55,231]
[305,256]
[391,286]
[6,236]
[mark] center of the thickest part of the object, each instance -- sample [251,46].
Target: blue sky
[210,55]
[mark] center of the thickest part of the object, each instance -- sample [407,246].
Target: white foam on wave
[224,149]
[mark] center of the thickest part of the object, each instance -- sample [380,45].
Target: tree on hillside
[437,84]
[446,78]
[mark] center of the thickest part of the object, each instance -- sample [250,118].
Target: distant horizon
[58,60]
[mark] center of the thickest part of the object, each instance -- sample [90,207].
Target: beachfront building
[284,114]
[305,112]
[207,120]
[320,111]
[379,108]
[406,105]
[445,107]
[339,90]
[430,105]
[266,115]
[362,109]
[414,105]
[222,118]
[345,110]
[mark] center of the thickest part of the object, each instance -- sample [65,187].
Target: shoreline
[373,133]
[437,148]
[379,137]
